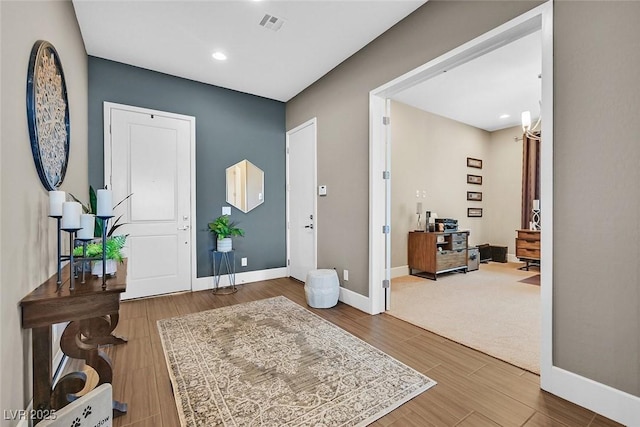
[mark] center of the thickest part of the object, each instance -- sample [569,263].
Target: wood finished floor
[474,390]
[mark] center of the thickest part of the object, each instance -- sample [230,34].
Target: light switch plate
[226,210]
[322,190]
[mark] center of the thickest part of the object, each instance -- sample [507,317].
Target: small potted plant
[223,228]
[114,244]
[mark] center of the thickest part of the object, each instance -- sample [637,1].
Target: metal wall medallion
[48,114]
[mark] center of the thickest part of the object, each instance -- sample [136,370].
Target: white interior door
[148,156]
[301,200]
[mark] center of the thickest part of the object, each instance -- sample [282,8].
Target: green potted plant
[114,244]
[114,247]
[223,228]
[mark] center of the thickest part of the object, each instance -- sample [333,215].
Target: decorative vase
[111,268]
[224,245]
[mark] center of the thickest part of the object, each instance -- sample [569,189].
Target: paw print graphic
[76,423]
[86,412]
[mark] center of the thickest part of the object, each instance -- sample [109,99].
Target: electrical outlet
[226,210]
[243,262]
[345,275]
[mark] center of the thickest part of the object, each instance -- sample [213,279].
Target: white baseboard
[600,398]
[512,258]
[403,270]
[205,283]
[355,300]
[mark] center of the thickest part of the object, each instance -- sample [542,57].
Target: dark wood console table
[92,313]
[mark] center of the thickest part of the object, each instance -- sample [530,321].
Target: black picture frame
[474,163]
[474,212]
[474,179]
[474,196]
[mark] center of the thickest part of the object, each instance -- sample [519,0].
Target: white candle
[56,199]
[105,204]
[536,205]
[87,222]
[71,215]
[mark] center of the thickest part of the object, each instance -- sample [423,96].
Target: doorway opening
[538,19]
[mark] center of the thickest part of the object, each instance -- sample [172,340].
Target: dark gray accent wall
[230,126]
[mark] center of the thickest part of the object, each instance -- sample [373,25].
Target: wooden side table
[92,313]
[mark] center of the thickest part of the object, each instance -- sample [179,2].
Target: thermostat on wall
[322,190]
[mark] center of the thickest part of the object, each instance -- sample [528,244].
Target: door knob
[186,227]
[308,226]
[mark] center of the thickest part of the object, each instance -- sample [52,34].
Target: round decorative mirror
[48,114]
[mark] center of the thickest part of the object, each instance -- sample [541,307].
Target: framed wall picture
[474,179]
[474,212]
[475,196]
[474,163]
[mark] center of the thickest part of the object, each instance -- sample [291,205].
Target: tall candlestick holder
[59,258]
[105,220]
[72,239]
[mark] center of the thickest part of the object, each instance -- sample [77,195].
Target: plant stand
[224,263]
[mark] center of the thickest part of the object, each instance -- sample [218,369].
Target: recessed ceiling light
[219,56]
[505,116]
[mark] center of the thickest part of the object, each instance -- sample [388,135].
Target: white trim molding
[600,398]
[403,270]
[206,283]
[355,300]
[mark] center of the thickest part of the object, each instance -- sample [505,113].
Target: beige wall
[596,157]
[340,101]
[504,188]
[417,139]
[596,299]
[429,153]
[28,235]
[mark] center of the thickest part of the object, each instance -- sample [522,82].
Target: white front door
[148,155]
[301,200]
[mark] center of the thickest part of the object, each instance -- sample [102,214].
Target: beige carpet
[274,363]
[488,310]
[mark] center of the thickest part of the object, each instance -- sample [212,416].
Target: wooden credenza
[92,313]
[528,247]
[433,253]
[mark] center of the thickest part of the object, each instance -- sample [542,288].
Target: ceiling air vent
[271,22]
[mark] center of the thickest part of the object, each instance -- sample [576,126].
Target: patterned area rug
[274,363]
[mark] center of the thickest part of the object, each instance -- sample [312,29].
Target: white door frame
[500,36]
[314,122]
[108,106]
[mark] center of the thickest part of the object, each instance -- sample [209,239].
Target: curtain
[530,176]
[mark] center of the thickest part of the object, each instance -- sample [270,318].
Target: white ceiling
[179,37]
[477,93]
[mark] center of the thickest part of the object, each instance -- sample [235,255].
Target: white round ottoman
[322,288]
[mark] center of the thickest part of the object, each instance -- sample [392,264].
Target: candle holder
[105,220]
[72,239]
[58,220]
[535,219]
